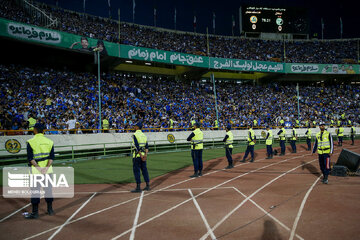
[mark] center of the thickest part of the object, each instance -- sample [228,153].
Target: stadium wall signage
[27,32]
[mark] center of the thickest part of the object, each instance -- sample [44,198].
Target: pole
[98,60]
[284,49]
[207,44]
[216,107]
[298,101]
[119,29]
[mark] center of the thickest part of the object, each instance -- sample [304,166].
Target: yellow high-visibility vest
[41,147]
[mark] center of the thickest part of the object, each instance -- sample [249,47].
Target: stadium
[183,91]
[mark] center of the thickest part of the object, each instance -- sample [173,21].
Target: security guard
[282,138]
[269,142]
[340,134]
[141,149]
[293,140]
[196,138]
[40,154]
[251,142]
[105,125]
[297,123]
[171,124]
[32,123]
[308,138]
[332,123]
[255,123]
[229,139]
[282,122]
[216,125]
[324,146]
[352,134]
[307,124]
[338,123]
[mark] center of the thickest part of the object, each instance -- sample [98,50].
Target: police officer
[269,142]
[282,139]
[293,140]
[229,139]
[308,138]
[196,138]
[340,134]
[40,154]
[251,142]
[352,134]
[324,145]
[141,149]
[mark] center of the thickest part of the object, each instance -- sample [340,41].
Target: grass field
[119,169]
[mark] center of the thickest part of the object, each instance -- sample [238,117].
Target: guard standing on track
[281,134]
[251,142]
[308,138]
[229,139]
[293,140]
[324,145]
[269,142]
[340,134]
[139,158]
[196,138]
[40,154]
[352,134]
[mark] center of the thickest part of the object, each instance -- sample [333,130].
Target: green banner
[66,40]
[154,55]
[246,65]
[303,68]
[31,33]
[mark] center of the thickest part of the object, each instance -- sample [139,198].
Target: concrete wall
[124,139]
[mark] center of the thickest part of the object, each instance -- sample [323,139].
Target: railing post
[104,149]
[72,152]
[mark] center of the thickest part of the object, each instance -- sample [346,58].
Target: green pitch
[119,169]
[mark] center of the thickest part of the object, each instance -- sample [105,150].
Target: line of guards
[40,151]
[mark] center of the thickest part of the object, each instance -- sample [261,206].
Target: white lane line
[14,212]
[249,197]
[130,200]
[185,201]
[68,220]
[202,215]
[301,209]
[132,235]
[267,213]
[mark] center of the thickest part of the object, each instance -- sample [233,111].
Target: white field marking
[130,200]
[167,190]
[69,219]
[132,235]
[185,201]
[202,215]
[267,213]
[13,213]
[249,197]
[253,194]
[301,209]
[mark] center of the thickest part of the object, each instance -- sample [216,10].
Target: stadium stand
[58,96]
[312,51]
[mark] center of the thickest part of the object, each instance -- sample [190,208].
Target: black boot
[137,189]
[325,180]
[147,188]
[200,174]
[242,160]
[252,160]
[35,212]
[194,175]
[50,210]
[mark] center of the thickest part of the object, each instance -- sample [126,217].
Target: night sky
[330,11]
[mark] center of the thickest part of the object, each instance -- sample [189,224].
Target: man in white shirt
[71,125]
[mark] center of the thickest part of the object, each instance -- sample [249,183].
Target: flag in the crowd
[194,23]
[214,16]
[133,10]
[341,28]
[175,19]
[155,16]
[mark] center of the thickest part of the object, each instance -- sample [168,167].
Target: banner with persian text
[304,68]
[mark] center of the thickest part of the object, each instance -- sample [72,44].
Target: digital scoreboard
[275,20]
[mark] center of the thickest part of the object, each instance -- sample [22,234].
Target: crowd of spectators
[342,51]
[59,99]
